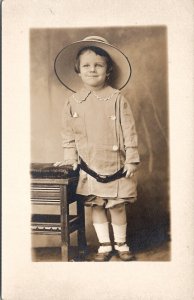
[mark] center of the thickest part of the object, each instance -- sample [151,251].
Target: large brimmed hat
[65,62]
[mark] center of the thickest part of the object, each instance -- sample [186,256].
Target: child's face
[93,69]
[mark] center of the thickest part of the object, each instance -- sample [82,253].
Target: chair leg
[82,244]
[64,252]
[65,234]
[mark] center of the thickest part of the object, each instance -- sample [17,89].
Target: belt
[102,178]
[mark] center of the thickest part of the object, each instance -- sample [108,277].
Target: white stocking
[120,236]
[102,231]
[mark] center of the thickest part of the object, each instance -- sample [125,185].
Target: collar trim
[83,94]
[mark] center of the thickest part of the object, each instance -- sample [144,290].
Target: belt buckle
[101,178]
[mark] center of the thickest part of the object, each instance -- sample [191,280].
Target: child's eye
[99,65]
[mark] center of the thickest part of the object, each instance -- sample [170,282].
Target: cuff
[132,156]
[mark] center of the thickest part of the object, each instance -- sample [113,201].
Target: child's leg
[99,214]
[118,214]
[119,224]
[100,223]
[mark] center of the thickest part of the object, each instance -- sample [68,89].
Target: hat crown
[95,38]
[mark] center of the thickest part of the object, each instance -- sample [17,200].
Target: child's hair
[98,51]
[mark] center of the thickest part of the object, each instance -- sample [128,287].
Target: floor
[159,253]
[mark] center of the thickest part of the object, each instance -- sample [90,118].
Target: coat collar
[81,95]
[106,94]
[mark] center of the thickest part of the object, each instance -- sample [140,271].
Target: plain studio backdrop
[146,48]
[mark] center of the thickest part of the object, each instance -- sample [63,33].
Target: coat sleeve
[68,138]
[129,132]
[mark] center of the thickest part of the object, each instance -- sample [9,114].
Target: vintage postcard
[97,164]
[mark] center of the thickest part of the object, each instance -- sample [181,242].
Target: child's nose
[92,68]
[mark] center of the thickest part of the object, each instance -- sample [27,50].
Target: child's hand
[59,164]
[131,169]
[62,163]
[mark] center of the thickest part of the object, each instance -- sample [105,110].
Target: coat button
[115,148]
[75,115]
[113,118]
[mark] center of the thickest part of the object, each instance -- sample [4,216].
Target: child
[99,135]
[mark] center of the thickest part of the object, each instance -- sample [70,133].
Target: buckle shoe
[103,256]
[125,255]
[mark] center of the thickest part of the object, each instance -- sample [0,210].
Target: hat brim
[65,61]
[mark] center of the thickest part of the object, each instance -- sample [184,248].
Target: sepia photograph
[99,117]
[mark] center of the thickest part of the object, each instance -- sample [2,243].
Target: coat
[102,132]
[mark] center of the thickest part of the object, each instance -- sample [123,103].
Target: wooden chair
[53,190]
